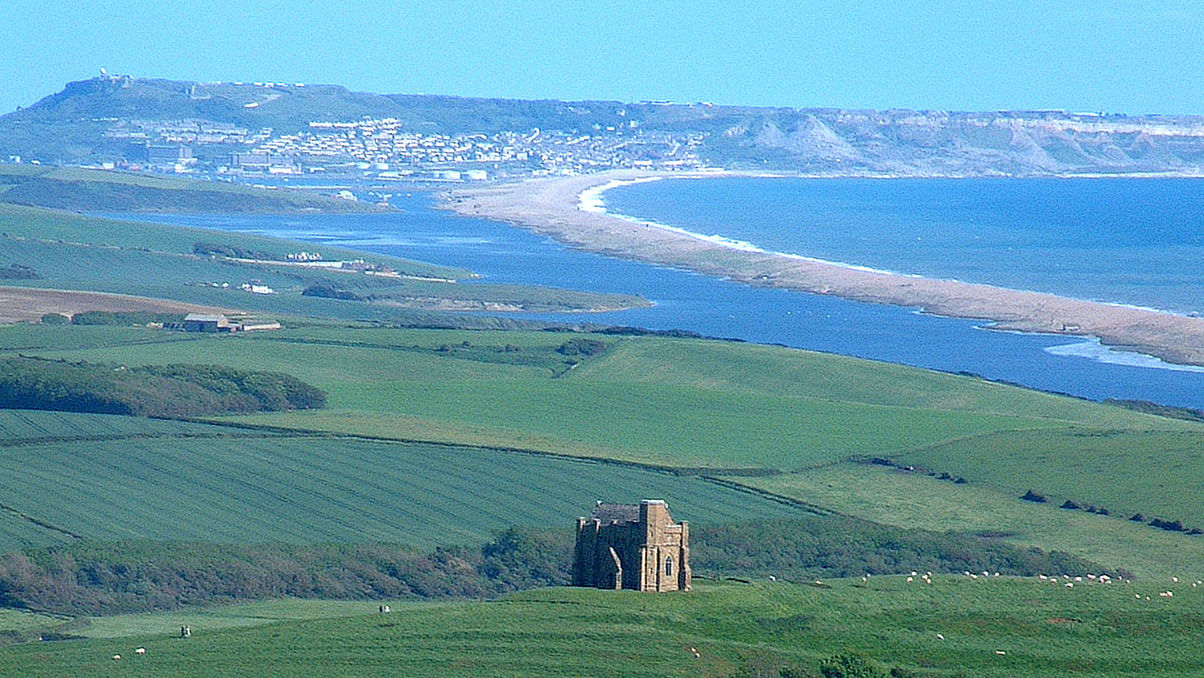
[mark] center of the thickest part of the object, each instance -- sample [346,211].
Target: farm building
[630,546]
[201,322]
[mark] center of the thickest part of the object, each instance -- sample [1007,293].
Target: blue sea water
[714,307]
[1132,241]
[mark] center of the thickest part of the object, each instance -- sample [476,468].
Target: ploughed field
[955,626]
[491,422]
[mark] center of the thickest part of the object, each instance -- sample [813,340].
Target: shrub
[852,665]
[1034,497]
[584,347]
[55,319]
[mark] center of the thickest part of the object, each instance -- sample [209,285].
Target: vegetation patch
[108,578]
[162,391]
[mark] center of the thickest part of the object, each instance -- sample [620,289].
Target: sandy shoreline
[551,206]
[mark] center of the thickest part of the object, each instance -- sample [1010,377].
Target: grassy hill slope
[90,190]
[987,627]
[790,422]
[70,251]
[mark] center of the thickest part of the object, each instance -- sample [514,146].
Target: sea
[1130,241]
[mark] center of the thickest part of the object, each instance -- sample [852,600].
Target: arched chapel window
[668,566]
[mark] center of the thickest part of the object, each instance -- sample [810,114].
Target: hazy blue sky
[1114,55]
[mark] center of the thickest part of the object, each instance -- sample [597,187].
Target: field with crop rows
[255,489]
[692,404]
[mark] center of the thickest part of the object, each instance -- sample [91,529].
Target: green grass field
[991,627]
[22,620]
[912,500]
[70,251]
[217,617]
[709,406]
[90,190]
[256,489]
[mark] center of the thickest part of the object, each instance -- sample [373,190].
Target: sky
[1117,56]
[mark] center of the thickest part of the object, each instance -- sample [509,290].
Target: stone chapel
[630,546]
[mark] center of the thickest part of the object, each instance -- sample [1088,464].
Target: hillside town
[385,149]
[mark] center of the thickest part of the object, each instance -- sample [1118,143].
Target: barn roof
[616,513]
[204,318]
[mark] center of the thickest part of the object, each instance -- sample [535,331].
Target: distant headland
[274,129]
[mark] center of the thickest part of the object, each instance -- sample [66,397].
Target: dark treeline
[108,578]
[165,391]
[124,318]
[114,577]
[834,546]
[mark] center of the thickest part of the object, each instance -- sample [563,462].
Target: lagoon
[714,307]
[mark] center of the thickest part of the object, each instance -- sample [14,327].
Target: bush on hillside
[582,347]
[163,391]
[852,665]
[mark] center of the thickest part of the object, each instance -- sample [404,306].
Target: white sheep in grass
[940,637]
[116,657]
[141,650]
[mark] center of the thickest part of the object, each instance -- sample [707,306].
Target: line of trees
[105,578]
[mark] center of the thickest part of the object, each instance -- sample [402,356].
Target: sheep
[940,637]
[696,654]
[1000,652]
[909,580]
[116,657]
[141,650]
[772,578]
[1069,585]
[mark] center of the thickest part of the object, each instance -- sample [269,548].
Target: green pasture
[914,500]
[36,224]
[205,619]
[74,252]
[990,627]
[19,427]
[1155,473]
[674,402]
[697,404]
[257,489]
[24,620]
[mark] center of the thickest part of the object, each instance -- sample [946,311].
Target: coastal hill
[95,121]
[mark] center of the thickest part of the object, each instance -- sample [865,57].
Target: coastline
[569,209]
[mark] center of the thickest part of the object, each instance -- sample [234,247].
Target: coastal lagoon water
[688,301]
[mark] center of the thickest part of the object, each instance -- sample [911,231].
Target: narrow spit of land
[551,206]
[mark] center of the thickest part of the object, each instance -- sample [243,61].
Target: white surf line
[1093,349]
[593,200]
